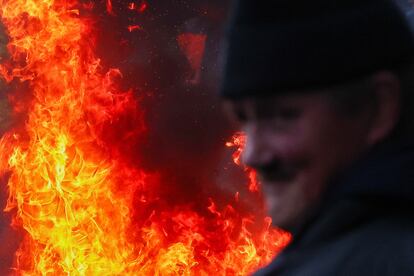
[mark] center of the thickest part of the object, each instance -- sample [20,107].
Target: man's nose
[257,151]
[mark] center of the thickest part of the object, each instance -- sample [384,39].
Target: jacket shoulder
[384,246]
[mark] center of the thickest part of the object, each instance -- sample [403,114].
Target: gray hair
[352,98]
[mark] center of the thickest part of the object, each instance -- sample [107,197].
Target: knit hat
[278,46]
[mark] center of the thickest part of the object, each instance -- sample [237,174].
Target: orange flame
[239,141]
[70,187]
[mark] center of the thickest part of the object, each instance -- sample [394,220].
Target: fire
[109,7]
[142,7]
[131,6]
[84,208]
[239,141]
[132,28]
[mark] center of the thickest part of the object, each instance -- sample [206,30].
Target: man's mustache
[277,170]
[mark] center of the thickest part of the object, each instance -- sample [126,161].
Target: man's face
[297,143]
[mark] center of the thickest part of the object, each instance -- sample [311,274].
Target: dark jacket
[365,225]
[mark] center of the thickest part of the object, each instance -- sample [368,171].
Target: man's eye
[240,116]
[284,119]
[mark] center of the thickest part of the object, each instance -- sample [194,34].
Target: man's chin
[281,217]
[284,205]
[278,188]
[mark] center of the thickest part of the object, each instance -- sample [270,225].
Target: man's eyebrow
[266,108]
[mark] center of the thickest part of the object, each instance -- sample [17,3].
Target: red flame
[141,8]
[239,141]
[131,6]
[88,5]
[109,7]
[84,209]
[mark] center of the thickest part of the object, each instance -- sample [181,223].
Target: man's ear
[387,94]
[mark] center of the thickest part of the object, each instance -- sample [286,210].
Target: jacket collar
[380,182]
[386,172]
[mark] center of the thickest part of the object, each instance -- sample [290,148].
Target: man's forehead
[272,101]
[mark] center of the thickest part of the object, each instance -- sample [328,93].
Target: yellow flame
[64,183]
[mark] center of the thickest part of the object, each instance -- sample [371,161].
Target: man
[324,92]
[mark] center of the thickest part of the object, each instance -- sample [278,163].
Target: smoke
[186,126]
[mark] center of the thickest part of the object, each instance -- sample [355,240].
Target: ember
[142,7]
[109,7]
[132,28]
[84,208]
[131,6]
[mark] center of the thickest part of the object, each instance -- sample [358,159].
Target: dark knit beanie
[278,46]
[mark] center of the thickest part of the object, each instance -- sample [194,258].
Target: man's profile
[324,91]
